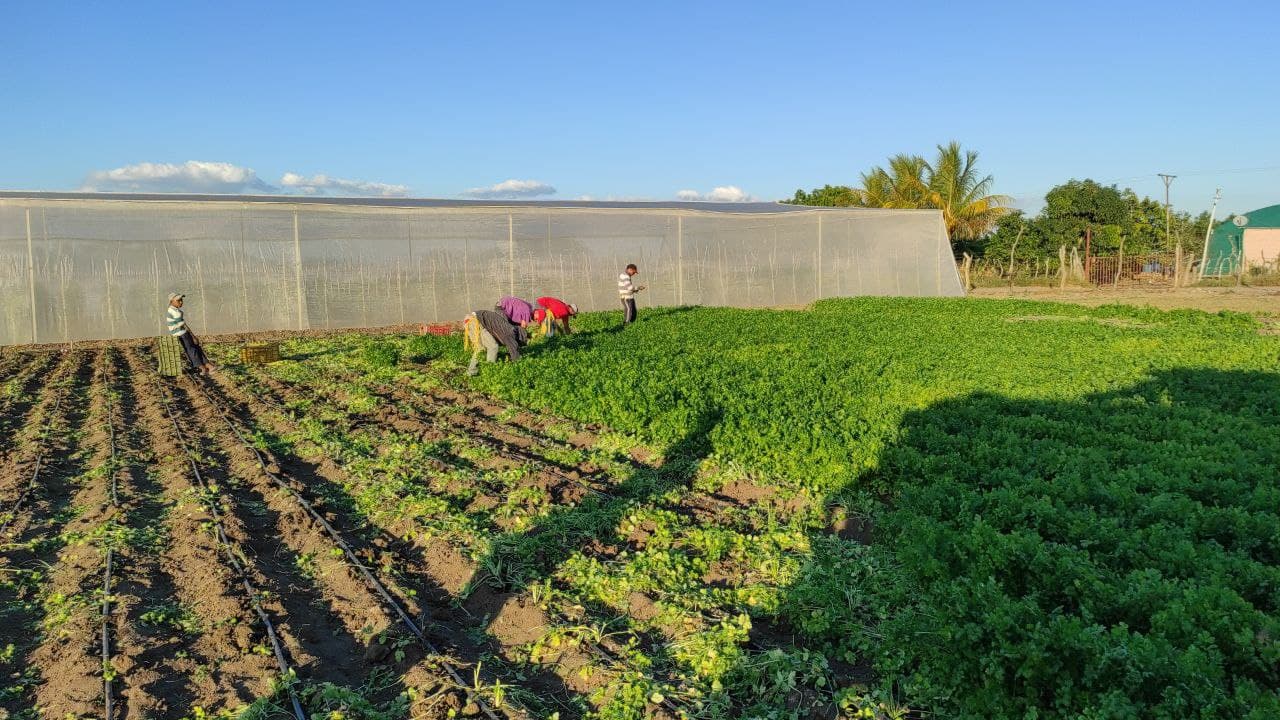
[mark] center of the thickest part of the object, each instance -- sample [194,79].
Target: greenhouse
[79,266]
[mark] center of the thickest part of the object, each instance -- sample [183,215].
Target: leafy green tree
[827,196]
[951,183]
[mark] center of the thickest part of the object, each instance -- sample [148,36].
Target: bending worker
[176,320]
[518,311]
[491,330]
[552,310]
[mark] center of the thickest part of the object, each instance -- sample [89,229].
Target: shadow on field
[1115,556]
[519,559]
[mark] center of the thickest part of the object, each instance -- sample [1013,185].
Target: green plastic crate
[172,361]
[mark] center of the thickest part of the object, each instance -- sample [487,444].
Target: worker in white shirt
[627,290]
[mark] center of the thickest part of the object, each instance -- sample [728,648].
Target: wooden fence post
[1062,267]
[968,260]
[1119,264]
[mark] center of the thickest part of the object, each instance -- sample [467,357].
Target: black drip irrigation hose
[107,694]
[35,474]
[500,447]
[108,698]
[401,614]
[276,647]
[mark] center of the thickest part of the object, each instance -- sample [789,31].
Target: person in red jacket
[559,310]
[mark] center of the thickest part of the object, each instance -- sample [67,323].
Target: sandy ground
[1262,300]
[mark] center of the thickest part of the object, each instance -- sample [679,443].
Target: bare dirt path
[1210,299]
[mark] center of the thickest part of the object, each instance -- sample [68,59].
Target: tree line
[982,223]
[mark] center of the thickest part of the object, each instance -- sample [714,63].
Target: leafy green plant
[381,354]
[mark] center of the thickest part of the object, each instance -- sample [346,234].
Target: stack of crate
[172,361]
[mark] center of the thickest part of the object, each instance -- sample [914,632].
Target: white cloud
[511,189]
[193,176]
[724,193]
[322,184]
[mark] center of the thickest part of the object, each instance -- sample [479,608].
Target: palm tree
[965,199]
[902,186]
[951,184]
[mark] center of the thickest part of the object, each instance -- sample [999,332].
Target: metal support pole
[297,269]
[511,253]
[31,276]
[679,259]
[819,268]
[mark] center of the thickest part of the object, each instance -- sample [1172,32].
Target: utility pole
[1168,180]
[1204,255]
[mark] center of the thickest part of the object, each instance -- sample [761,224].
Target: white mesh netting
[100,268]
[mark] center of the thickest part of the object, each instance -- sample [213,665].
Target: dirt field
[1265,300]
[227,565]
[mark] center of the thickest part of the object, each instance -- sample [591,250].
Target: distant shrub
[381,354]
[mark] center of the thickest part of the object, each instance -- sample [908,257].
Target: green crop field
[875,508]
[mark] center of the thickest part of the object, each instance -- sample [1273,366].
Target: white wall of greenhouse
[101,268]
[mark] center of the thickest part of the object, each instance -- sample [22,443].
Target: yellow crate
[259,353]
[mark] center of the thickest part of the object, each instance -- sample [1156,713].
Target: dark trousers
[194,352]
[628,310]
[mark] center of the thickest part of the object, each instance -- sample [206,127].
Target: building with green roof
[1256,241]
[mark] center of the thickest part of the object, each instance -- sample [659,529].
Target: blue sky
[642,100]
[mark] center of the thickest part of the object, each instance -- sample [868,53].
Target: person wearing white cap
[176,320]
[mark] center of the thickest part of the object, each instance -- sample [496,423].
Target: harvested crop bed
[874,508]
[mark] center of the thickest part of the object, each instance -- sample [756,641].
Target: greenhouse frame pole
[511,254]
[819,268]
[679,259]
[31,277]
[297,266]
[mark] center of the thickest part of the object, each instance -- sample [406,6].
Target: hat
[573,309]
[175,296]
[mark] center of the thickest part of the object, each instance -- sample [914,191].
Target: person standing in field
[552,310]
[176,320]
[490,331]
[518,311]
[627,290]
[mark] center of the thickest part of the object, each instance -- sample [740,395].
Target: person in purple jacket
[517,311]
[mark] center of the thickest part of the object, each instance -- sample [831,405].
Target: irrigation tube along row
[107,693]
[499,447]
[496,446]
[277,649]
[35,473]
[401,614]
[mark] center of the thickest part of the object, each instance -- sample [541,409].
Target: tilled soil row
[395,625]
[514,620]
[36,437]
[561,487]
[152,654]
[48,619]
[29,376]
[435,571]
[226,660]
[738,504]
[319,576]
[70,654]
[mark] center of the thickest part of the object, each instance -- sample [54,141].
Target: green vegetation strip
[1074,519]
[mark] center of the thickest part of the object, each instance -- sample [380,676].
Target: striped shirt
[176,321]
[626,288]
